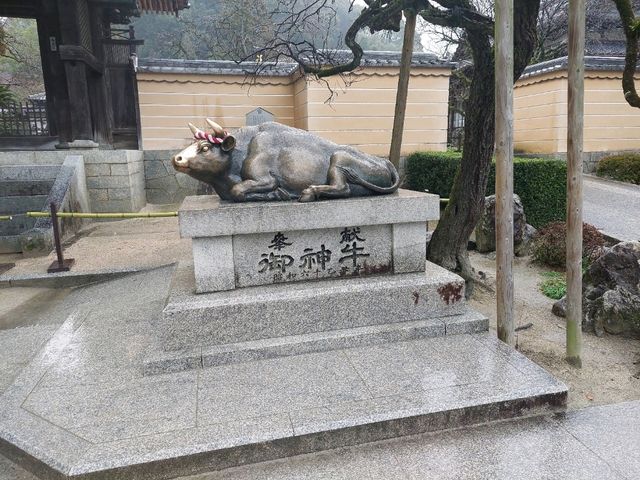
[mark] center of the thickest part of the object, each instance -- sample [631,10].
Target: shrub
[550,248]
[541,183]
[6,96]
[625,167]
[554,286]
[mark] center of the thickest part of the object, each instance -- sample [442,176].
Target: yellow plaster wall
[540,117]
[169,101]
[540,114]
[360,114]
[361,110]
[610,123]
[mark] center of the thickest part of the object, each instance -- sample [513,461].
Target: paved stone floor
[598,443]
[612,207]
[73,384]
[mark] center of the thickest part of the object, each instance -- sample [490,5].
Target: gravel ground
[611,364]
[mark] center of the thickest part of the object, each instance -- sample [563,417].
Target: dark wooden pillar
[75,52]
[99,88]
[79,101]
[55,81]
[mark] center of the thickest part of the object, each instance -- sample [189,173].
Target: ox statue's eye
[205,148]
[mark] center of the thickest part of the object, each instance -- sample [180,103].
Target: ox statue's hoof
[308,195]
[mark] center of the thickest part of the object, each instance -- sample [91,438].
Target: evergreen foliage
[625,167]
[554,285]
[550,245]
[540,183]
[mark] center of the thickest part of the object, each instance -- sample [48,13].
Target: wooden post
[504,169]
[574,181]
[403,86]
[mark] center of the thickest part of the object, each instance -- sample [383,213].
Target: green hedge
[625,167]
[541,183]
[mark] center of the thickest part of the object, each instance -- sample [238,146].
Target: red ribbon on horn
[200,135]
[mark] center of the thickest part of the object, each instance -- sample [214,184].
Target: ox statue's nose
[179,161]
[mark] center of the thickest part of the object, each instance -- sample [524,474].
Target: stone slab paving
[599,443]
[612,207]
[83,407]
[533,448]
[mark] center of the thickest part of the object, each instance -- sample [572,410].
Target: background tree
[236,29]
[448,246]
[20,56]
[631,28]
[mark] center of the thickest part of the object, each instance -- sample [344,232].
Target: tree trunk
[448,246]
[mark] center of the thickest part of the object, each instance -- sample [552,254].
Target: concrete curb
[596,178]
[71,279]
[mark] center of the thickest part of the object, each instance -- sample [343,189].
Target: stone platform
[270,321]
[288,270]
[83,409]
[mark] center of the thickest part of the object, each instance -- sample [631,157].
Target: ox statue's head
[208,156]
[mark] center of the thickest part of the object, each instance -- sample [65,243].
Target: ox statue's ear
[228,144]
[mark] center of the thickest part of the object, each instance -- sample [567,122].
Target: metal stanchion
[61,264]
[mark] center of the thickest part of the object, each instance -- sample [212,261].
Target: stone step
[158,361]
[10,244]
[16,226]
[16,205]
[274,408]
[13,188]
[268,311]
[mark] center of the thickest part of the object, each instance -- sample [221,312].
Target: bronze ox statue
[272,161]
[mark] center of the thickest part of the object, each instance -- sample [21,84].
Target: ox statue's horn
[217,129]
[194,129]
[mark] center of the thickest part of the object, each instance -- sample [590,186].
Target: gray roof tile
[281,69]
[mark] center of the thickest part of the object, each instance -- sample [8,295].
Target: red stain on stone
[451,292]
[376,269]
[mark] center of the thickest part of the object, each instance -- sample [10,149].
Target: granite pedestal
[284,278]
[247,244]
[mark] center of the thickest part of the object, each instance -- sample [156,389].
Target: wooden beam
[19,8]
[504,169]
[76,53]
[403,87]
[575,124]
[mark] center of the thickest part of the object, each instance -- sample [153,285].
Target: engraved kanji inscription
[279,242]
[350,237]
[274,262]
[315,259]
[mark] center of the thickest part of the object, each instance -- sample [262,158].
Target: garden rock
[611,291]
[559,308]
[486,229]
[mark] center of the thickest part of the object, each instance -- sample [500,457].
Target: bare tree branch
[631,28]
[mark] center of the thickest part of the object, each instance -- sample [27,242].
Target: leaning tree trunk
[448,246]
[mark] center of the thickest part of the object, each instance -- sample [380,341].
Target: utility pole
[575,120]
[403,86]
[504,169]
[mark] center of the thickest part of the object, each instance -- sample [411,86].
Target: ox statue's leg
[277,194]
[249,189]
[337,186]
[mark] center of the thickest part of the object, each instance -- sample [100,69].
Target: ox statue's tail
[354,178]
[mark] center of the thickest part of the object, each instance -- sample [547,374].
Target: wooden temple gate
[89,67]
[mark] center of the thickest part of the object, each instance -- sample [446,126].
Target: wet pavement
[612,207]
[74,395]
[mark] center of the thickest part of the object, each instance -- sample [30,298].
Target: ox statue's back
[272,161]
